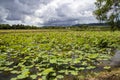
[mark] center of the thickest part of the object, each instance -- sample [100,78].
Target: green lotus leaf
[60,76]
[74,72]
[22,76]
[93,56]
[53,61]
[107,67]
[81,68]
[84,63]
[14,78]
[33,76]
[90,67]
[61,71]
[47,71]
[9,63]
[15,72]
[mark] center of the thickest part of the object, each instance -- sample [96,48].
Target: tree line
[17,26]
[78,27]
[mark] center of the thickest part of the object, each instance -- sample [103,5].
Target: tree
[108,11]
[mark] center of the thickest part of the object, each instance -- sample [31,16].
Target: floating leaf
[47,71]
[93,56]
[33,76]
[53,61]
[60,76]
[13,79]
[107,67]
[74,72]
[90,67]
[15,72]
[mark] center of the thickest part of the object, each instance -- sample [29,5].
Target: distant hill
[92,24]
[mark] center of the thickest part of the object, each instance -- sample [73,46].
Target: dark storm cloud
[3,14]
[47,12]
[16,9]
[35,2]
[15,16]
[62,22]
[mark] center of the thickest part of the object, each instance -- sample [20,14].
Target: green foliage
[108,11]
[52,55]
[18,26]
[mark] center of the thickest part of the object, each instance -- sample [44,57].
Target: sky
[47,12]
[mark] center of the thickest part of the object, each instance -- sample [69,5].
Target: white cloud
[32,20]
[66,10]
[50,12]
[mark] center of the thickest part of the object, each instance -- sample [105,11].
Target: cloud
[47,12]
[3,15]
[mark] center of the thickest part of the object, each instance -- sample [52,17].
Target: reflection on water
[115,61]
